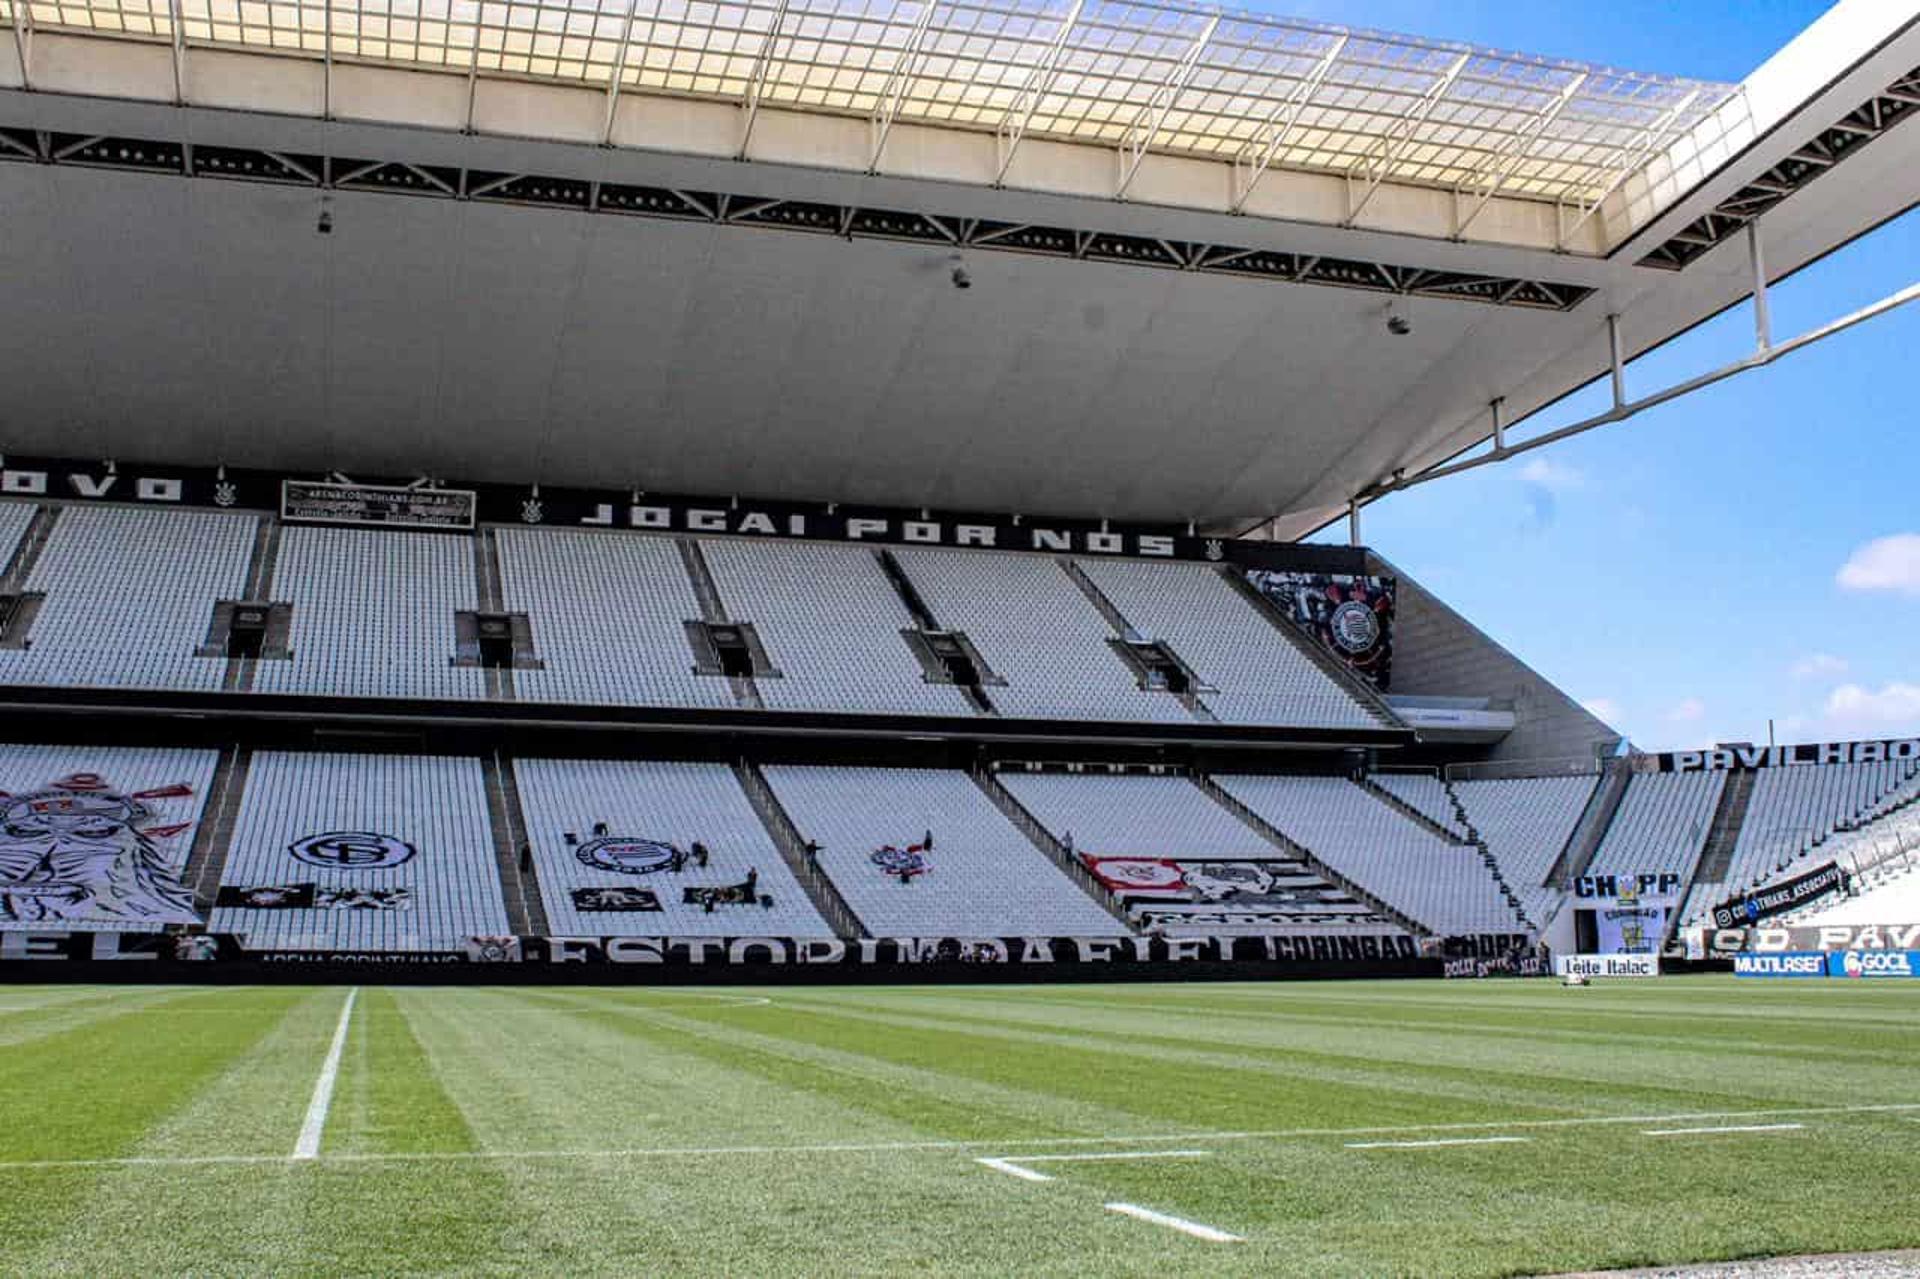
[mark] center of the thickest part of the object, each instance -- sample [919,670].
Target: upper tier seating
[1661,825]
[373,614]
[1252,674]
[985,879]
[830,622]
[129,595]
[672,803]
[94,838]
[1444,886]
[1425,793]
[1526,822]
[1171,819]
[14,519]
[398,850]
[1036,631]
[609,614]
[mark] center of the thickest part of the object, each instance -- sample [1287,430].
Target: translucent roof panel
[1146,77]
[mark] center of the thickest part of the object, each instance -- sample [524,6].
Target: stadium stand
[1445,886]
[96,838]
[1661,825]
[1037,632]
[830,622]
[1426,794]
[14,520]
[637,803]
[1524,823]
[129,593]
[1251,673]
[608,613]
[982,877]
[361,852]
[1795,810]
[1229,878]
[373,614]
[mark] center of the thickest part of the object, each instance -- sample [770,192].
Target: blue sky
[1746,553]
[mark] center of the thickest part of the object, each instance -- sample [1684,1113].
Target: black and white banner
[1807,937]
[407,502]
[708,952]
[1776,898]
[1351,615]
[1744,758]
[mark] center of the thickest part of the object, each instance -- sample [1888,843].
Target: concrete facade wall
[1437,652]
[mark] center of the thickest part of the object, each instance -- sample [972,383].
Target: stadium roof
[785,326]
[1145,77]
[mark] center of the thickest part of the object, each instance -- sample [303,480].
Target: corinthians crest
[80,851]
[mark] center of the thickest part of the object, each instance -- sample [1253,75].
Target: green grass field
[473,1130]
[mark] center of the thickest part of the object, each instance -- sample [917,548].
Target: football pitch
[1420,1128]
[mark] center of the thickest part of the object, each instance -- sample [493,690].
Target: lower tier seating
[361,852]
[604,836]
[1444,886]
[1181,863]
[95,838]
[981,877]
[1526,822]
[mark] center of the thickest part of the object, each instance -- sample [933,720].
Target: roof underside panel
[1140,77]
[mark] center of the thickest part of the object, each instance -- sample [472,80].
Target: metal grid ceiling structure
[1261,92]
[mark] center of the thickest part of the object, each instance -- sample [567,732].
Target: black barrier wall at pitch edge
[455,971]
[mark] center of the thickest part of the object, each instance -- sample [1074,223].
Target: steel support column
[1159,107]
[757,81]
[1277,137]
[1020,114]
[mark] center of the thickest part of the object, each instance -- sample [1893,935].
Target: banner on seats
[1774,899]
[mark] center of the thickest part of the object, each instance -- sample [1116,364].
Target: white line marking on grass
[1014,1170]
[1435,1141]
[1019,1169]
[308,1146]
[1688,1132]
[1181,1224]
[1117,1154]
[906,1147]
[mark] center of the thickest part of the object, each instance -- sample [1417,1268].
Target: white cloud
[1884,564]
[1688,710]
[1604,709]
[1892,710]
[1553,475]
[1819,666]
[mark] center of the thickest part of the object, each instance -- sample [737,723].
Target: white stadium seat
[397,850]
[1252,673]
[1444,886]
[830,622]
[986,879]
[373,614]
[608,613]
[676,804]
[129,596]
[1171,818]
[1038,633]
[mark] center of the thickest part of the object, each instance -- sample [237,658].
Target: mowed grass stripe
[879,1212]
[57,1018]
[1397,1075]
[101,1088]
[1759,1018]
[879,1081]
[138,1217]
[641,1070]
